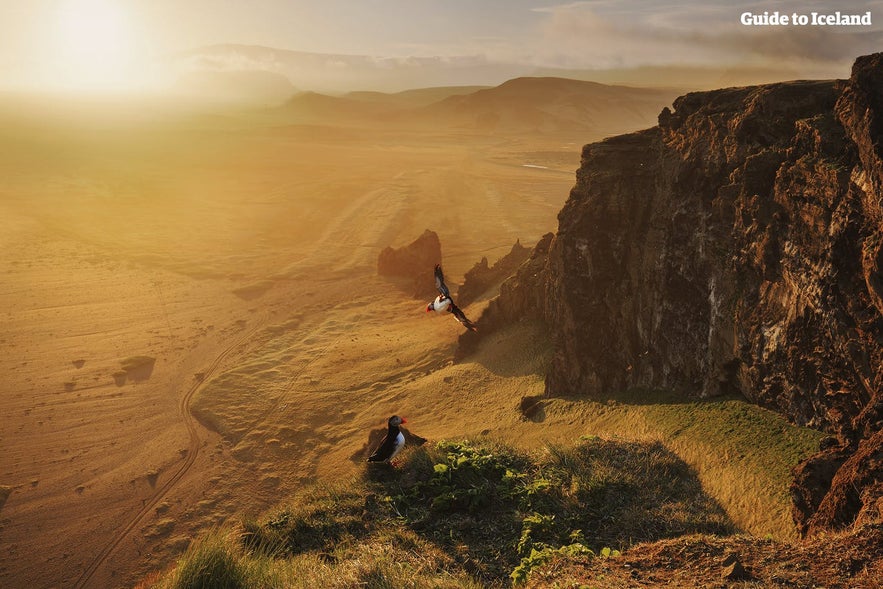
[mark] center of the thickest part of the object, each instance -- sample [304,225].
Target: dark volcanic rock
[733,569]
[521,296]
[481,277]
[737,246]
[694,255]
[855,489]
[872,505]
[532,408]
[811,484]
[414,262]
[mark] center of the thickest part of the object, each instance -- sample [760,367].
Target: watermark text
[814,19]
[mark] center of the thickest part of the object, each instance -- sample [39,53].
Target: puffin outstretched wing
[461,317]
[440,282]
[445,301]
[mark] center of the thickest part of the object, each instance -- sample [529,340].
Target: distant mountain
[415,98]
[364,107]
[553,105]
[332,73]
[522,105]
[691,77]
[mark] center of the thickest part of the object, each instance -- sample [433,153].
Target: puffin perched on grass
[392,443]
[443,302]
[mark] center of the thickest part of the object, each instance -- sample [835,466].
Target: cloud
[621,34]
[226,58]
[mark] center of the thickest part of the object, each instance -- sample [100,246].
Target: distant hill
[522,105]
[552,105]
[364,106]
[416,97]
[331,73]
[691,77]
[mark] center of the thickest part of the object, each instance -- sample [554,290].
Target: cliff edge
[735,247]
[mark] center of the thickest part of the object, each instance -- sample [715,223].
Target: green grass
[460,514]
[729,421]
[744,454]
[218,561]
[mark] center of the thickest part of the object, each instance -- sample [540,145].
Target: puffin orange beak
[429,307]
[404,420]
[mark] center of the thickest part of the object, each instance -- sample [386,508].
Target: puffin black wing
[461,317]
[385,450]
[440,282]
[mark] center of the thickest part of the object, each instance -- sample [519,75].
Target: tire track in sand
[192,453]
[379,213]
[357,233]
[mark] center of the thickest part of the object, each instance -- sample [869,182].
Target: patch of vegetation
[467,514]
[540,558]
[217,561]
[747,452]
[734,422]
[505,506]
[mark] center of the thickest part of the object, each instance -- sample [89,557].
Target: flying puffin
[392,442]
[444,302]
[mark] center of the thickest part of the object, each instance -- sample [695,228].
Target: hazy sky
[120,43]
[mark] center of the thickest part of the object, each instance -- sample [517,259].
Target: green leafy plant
[538,558]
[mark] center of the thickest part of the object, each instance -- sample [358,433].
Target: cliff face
[738,246]
[707,254]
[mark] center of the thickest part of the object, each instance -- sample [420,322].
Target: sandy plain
[157,266]
[193,327]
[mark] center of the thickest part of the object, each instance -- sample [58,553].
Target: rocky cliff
[735,247]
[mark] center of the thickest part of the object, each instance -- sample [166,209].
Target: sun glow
[95,47]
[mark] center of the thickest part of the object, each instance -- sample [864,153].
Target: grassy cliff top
[460,514]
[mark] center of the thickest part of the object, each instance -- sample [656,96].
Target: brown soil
[850,560]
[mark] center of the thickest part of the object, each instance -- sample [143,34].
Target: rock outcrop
[413,264]
[481,277]
[737,246]
[521,296]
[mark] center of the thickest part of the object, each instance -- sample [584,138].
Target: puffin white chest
[399,444]
[441,303]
